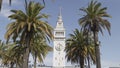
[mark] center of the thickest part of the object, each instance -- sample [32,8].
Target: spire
[59,21]
[60,15]
[60,12]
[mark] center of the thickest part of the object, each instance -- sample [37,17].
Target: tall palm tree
[95,22]
[76,48]
[26,24]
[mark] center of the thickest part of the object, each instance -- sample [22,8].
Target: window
[59,39]
[55,58]
[58,63]
[59,33]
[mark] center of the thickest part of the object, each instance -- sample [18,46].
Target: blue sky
[110,47]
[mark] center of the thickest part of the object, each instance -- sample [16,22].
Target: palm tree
[25,25]
[3,48]
[76,48]
[39,49]
[90,48]
[94,22]
[12,54]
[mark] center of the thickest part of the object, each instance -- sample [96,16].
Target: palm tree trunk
[35,60]
[26,58]
[17,66]
[11,65]
[97,50]
[26,54]
[88,56]
[88,61]
[82,62]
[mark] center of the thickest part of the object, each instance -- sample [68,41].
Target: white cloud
[5,12]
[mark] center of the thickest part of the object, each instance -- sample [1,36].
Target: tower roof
[60,21]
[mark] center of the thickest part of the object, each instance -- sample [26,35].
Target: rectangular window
[55,58]
[59,33]
[59,38]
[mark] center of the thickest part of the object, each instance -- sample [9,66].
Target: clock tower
[59,44]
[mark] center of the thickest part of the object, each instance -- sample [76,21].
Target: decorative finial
[60,22]
[60,15]
[60,11]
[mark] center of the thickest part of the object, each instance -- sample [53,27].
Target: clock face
[59,47]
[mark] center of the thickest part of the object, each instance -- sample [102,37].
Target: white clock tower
[59,44]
